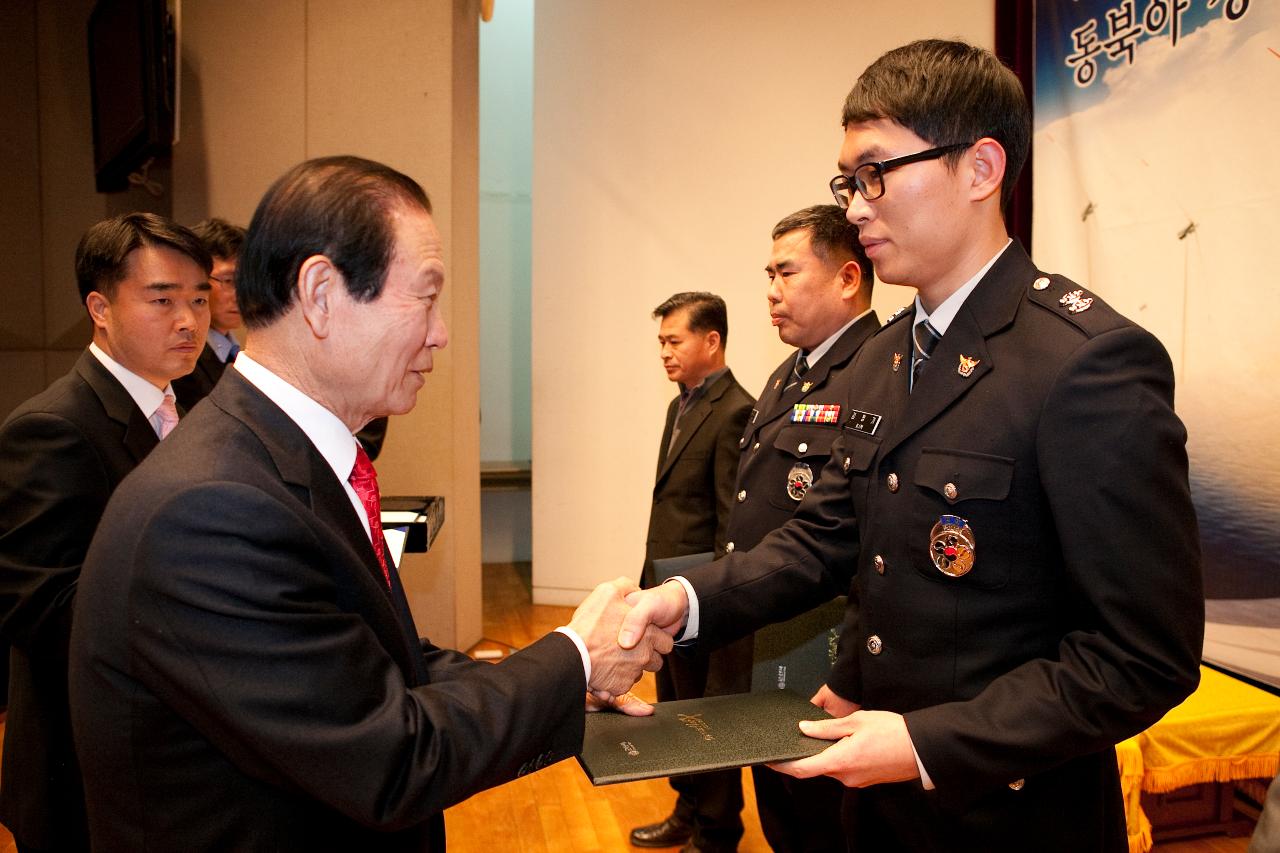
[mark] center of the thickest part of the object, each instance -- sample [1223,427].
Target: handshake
[626,631]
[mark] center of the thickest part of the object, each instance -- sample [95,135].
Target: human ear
[988,160]
[318,284]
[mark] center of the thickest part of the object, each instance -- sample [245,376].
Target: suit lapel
[139,436]
[692,419]
[991,307]
[300,465]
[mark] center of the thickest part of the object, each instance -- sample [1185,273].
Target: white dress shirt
[337,446]
[146,396]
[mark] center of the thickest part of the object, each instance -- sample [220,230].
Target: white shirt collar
[146,396]
[823,348]
[329,434]
[942,316]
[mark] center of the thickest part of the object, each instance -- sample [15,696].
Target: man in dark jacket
[820,302]
[692,497]
[143,281]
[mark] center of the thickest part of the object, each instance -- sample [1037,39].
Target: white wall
[266,85]
[669,137]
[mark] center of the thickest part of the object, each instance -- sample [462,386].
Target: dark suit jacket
[196,385]
[1081,621]
[693,490]
[242,679]
[62,454]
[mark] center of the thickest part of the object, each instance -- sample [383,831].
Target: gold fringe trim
[1159,780]
[1140,841]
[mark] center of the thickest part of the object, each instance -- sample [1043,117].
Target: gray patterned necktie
[925,337]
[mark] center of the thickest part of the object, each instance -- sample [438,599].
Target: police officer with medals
[820,302]
[1008,494]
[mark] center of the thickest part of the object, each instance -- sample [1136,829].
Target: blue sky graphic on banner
[1157,185]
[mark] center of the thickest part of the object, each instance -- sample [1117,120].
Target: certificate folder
[692,735]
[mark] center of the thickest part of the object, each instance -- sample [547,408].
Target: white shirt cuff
[582,650]
[924,774]
[690,631]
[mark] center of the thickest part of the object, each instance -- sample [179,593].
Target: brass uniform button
[892,482]
[728,548]
[742,442]
[878,562]
[950,491]
[874,645]
[848,463]
[803,447]
[1041,283]
[742,496]
[756,446]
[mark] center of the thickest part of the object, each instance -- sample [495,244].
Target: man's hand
[664,607]
[834,704]
[597,621]
[872,747]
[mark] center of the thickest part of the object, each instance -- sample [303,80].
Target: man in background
[692,497]
[245,670]
[820,302]
[144,282]
[222,240]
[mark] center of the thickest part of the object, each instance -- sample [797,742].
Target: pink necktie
[168,414]
[365,481]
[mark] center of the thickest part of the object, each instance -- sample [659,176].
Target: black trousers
[800,815]
[709,802]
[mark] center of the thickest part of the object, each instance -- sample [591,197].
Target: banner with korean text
[1157,186]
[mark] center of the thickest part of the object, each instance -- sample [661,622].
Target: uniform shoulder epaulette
[1067,300]
[896,316]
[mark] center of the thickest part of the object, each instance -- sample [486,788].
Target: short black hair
[339,207]
[220,237]
[707,312]
[831,235]
[103,251]
[947,92]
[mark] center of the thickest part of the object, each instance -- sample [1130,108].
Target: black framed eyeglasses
[868,178]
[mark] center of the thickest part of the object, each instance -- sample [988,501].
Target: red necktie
[365,481]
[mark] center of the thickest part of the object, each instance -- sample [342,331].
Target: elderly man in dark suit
[222,241]
[1008,495]
[245,671]
[692,496]
[819,300]
[62,453]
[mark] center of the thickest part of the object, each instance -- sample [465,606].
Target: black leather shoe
[667,833]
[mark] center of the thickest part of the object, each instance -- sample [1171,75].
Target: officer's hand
[834,704]
[871,747]
[665,607]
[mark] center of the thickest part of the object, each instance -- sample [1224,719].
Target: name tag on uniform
[865,422]
[815,413]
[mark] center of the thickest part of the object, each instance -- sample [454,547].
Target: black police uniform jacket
[773,445]
[1082,618]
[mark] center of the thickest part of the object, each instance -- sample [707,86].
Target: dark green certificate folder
[691,735]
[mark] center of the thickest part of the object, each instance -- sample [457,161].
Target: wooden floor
[557,809]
